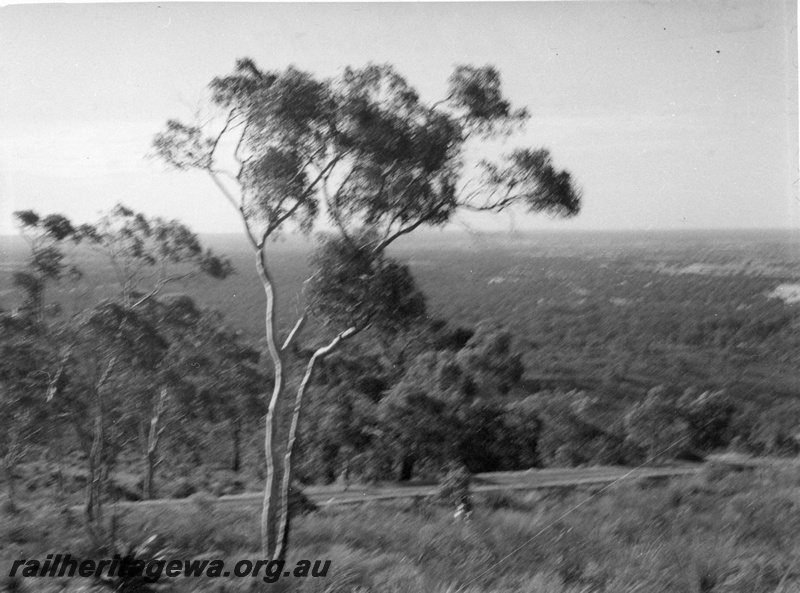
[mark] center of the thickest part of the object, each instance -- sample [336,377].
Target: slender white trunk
[269,533]
[97,454]
[285,519]
[151,446]
[284,527]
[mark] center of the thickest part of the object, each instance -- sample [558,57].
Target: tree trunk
[94,486]
[275,510]
[236,454]
[285,519]
[94,508]
[149,482]
[62,489]
[151,452]
[148,489]
[407,467]
[8,470]
[269,513]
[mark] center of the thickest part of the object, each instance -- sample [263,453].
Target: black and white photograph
[400,297]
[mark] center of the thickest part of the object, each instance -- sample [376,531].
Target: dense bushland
[592,350]
[573,366]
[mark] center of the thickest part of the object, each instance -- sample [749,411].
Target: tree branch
[287,462]
[227,174]
[228,195]
[239,205]
[333,209]
[400,232]
[295,330]
[159,286]
[497,206]
[216,140]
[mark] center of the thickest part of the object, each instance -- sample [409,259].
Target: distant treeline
[539,350]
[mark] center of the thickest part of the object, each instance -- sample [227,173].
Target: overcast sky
[670,115]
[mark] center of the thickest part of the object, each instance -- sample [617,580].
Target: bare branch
[498,206]
[227,174]
[160,285]
[239,205]
[310,162]
[333,208]
[228,195]
[276,224]
[325,172]
[298,403]
[228,121]
[237,151]
[400,232]
[295,330]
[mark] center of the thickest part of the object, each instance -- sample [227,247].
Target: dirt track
[496,481]
[541,479]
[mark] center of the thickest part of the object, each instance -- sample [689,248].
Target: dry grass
[721,532]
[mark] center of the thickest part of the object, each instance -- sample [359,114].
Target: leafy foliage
[47,237]
[363,144]
[366,151]
[223,385]
[656,425]
[352,285]
[424,408]
[477,91]
[147,253]
[23,386]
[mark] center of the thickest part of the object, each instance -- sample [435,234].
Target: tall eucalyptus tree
[365,153]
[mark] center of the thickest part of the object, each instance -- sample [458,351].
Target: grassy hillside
[722,531]
[608,315]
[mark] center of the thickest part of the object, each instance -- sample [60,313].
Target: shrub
[126,488]
[299,503]
[204,503]
[454,486]
[710,416]
[226,485]
[503,500]
[657,426]
[181,488]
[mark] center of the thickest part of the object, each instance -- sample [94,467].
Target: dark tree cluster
[112,379]
[444,395]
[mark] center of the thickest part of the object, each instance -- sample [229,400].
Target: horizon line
[529,231]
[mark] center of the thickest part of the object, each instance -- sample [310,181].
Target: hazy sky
[669,114]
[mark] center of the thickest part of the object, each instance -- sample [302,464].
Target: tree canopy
[362,149]
[364,154]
